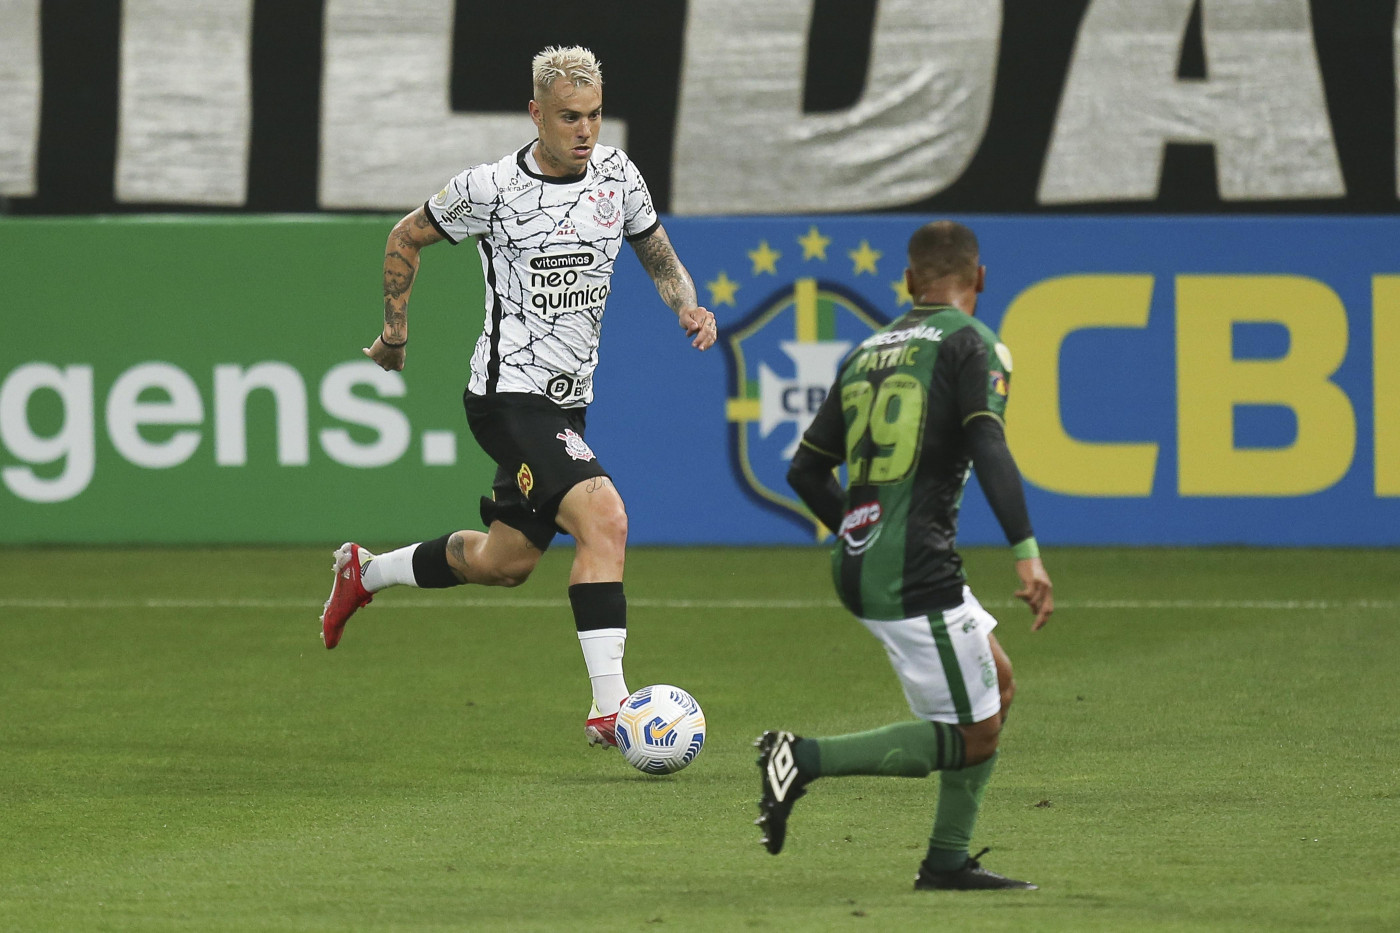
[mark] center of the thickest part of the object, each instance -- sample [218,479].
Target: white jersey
[548,246]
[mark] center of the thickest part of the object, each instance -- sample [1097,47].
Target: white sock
[392,569]
[602,653]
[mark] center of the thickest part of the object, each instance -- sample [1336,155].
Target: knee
[480,559]
[980,740]
[606,526]
[514,573]
[613,523]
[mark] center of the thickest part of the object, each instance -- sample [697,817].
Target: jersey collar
[523,163]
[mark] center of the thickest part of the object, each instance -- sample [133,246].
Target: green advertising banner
[174,380]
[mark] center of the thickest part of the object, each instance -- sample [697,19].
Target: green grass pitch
[1203,740]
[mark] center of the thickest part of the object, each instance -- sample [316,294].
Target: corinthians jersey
[548,246]
[896,416]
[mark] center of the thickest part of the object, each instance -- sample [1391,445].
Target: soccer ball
[660,729]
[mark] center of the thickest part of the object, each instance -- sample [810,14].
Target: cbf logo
[784,353]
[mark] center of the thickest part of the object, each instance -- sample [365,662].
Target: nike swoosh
[669,726]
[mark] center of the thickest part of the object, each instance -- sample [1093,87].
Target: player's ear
[536,114]
[981,278]
[910,285]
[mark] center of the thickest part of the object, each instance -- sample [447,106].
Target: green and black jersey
[903,416]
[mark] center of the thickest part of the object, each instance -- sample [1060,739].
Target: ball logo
[525,479]
[661,733]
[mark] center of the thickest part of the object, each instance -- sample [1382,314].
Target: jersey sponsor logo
[605,209]
[563,388]
[456,212]
[922,332]
[860,528]
[562,282]
[524,479]
[563,261]
[574,445]
[783,353]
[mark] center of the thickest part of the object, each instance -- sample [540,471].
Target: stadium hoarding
[1176,381]
[200,380]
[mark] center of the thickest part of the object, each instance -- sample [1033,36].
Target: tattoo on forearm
[408,237]
[399,271]
[673,283]
[395,320]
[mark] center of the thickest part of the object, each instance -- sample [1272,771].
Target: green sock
[959,799]
[905,749]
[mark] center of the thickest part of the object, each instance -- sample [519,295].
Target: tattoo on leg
[597,483]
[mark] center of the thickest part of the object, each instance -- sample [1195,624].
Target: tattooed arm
[676,287]
[406,240]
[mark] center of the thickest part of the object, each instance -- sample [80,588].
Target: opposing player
[912,408]
[549,221]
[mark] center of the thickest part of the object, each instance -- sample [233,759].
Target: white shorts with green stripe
[944,662]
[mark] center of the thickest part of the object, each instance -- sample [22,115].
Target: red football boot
[347,595]
[600,729]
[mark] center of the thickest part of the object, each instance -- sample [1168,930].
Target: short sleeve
[638,212]
[983,374]
[462,208]
[827,433]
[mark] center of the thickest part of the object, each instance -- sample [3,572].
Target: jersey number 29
[893,416]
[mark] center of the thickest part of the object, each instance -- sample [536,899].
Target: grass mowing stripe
[1272,605]
[1173,765]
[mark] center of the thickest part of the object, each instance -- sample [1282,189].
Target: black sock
[598,605]
[430,567]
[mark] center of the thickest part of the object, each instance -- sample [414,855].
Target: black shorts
[540,455]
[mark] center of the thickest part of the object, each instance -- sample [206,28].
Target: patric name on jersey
[548,247]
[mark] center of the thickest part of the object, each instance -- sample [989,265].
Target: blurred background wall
[1187,208]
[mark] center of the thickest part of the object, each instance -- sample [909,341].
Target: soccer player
[549,220]
[912,407]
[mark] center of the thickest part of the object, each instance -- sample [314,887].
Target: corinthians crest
[605,209]
[783,357]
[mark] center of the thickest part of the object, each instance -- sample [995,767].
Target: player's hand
[1036,590]
[700,324]
[390,359]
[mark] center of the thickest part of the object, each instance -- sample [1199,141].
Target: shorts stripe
[957,687]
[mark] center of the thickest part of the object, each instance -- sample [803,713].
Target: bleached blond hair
[574,63]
